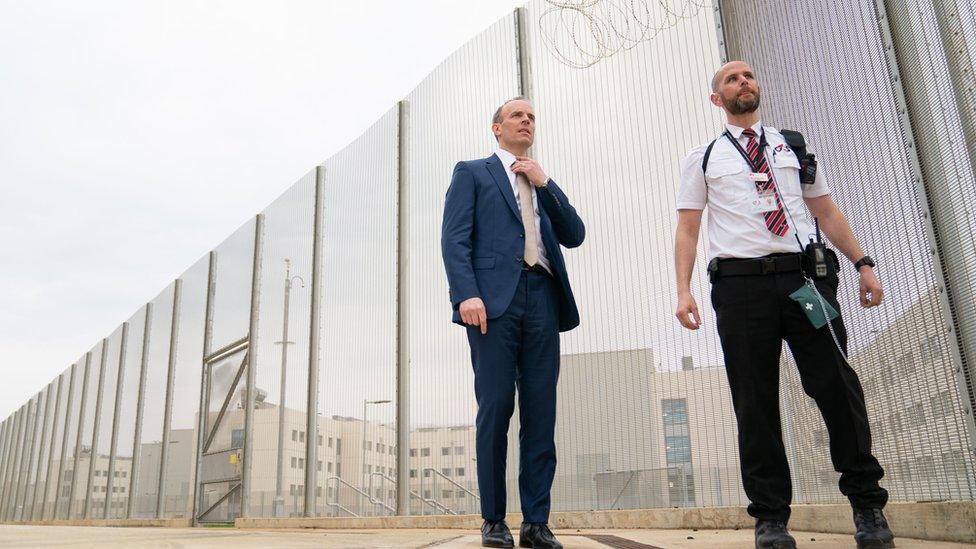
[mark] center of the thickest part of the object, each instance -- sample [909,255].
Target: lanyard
[738,147]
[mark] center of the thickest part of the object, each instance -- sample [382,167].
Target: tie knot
[749,133]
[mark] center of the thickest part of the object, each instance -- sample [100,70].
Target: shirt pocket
[787,173]
[728,184]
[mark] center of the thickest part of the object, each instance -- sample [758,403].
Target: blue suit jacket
[482,239]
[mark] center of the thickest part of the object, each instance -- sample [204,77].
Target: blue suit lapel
[497,172]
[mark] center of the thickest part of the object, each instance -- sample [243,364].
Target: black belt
[757,266]
[537,268]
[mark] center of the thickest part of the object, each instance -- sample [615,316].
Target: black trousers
[755,315]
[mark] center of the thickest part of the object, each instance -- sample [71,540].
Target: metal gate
[220,456]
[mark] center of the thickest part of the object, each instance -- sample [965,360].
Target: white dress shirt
[734,229]
[508,159]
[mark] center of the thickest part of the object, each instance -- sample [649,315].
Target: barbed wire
[579,33]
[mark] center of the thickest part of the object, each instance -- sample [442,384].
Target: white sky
[136,136]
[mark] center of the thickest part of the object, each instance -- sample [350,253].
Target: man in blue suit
[504,222]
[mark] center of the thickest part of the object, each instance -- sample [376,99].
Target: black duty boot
[872,530]
[537,535]
[772,534]
[495,533]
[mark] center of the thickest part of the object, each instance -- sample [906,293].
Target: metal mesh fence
[198,406]
[902,351]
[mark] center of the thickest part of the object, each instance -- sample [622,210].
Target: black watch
[866,260]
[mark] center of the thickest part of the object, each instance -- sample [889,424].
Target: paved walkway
[199,538]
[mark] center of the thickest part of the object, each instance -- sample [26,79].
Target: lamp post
[278,508]
[362,461]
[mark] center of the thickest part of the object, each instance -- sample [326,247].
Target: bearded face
[742,101]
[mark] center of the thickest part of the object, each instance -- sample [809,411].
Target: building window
[294,462]
[425,452]
[338,469]
[426,494]
[916,414]
[460,494]
[328,466]
[338,446]
[237,438]
[369,469]
[941,404]
[380,448]
[677,449]
[459,472]
[301,436]
[330,442]
[445,451]
[459,450]
[318,465]
[320,440]
[413,473]
[930,348]
[294,437]
[446,471]
[413,452]
[447,494]
[301,463]
[906,362]
[675,411]
[426,473]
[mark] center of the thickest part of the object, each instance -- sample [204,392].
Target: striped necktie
[776,219]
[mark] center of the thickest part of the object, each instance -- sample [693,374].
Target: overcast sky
[136,136]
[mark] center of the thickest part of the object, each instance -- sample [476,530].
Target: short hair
[497,119]
[715,79]
[715,82]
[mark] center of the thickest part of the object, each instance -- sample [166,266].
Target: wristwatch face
[866,260]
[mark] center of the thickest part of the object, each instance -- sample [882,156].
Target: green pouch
[813,306]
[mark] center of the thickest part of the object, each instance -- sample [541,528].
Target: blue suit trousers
[520,351]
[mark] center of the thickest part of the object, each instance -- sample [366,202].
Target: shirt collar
[736,131]
[506,157]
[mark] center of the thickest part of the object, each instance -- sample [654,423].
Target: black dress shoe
[495,533]
[537,535]
[772,534]
[872,530]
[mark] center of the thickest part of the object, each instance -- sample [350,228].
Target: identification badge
[763,201]
[758,177]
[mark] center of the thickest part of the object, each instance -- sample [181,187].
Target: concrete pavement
[17,536]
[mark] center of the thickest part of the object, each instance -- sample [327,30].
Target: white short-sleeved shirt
[733,229]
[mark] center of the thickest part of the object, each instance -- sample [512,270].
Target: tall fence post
[93,452]
[116,409]
[174,334]
[252,363]
[403,314]
[314,351]
[204,403]
[140,408]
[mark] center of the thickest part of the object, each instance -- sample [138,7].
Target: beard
[739,105]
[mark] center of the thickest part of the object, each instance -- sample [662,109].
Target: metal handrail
[448,479]
[432,502]
[339,482]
